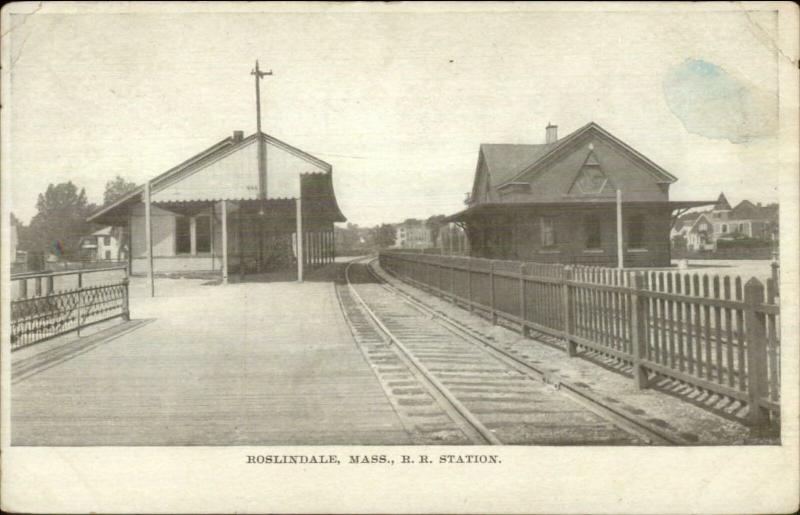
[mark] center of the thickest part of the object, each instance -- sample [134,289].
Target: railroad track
[466,388]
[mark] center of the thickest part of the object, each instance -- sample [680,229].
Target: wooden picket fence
[714,333]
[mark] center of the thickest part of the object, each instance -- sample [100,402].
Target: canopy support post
[300,256]
[224,242]
[148,236]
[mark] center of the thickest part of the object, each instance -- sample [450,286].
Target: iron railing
[50,313]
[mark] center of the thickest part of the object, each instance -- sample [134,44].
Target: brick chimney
[551,133]
[238,136]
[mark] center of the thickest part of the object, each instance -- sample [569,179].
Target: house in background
[756,221]
[746,220]
[101,245]
[19,258]
[556,202]
[703,233]
[235,205]
[413,234]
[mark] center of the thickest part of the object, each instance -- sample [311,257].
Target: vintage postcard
[399,258]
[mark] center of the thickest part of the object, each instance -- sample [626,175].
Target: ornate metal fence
[55,313]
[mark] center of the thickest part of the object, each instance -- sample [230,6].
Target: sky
[398,102]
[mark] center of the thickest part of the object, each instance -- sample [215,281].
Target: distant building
[19,258]
[556,202]
[101,245]
[451,240]
[723,222]
[413,234]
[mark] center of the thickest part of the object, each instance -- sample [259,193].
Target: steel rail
[593,403]
[462,412]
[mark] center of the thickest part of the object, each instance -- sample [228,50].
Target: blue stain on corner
[711,102]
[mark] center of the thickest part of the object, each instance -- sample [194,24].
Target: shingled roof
[504,161]
[507,162]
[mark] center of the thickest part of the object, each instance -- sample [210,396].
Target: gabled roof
[105,231]
[504,161]
[722,203]
[212,153]
[507,163]
[703,217]
[659,173]
[746,210]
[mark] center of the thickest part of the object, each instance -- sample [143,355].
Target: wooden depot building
[238,206]
[565,201]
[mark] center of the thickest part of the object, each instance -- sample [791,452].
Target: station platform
[243,364]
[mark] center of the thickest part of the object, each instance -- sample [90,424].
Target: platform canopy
[501,207]
[229,170]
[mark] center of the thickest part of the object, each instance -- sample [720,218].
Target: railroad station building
[235,207]
[557,202]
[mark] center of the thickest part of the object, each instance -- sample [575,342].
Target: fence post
[567,310]
[50,284]
[452,266]
[755,330]
[639,330]
[523,307]
[776,277]
[80,305]
[126,314]
[469,284]
[491,292]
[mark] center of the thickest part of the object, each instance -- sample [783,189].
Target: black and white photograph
[377,241]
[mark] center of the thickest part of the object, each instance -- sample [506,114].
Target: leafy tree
[384,235]
[60,221]
[117,188]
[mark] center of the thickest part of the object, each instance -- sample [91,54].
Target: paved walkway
[242,364]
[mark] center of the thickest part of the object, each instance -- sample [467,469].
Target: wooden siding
[234,175]
[518,235]
[554,181]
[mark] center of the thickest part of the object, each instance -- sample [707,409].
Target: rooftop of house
[506,162]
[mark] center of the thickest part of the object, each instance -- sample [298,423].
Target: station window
[202,231]
[636,232]
[724,228]
[591,231]
[183,235]
[548,231]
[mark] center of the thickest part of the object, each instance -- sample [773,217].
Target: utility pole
[262,164]
[262,159]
